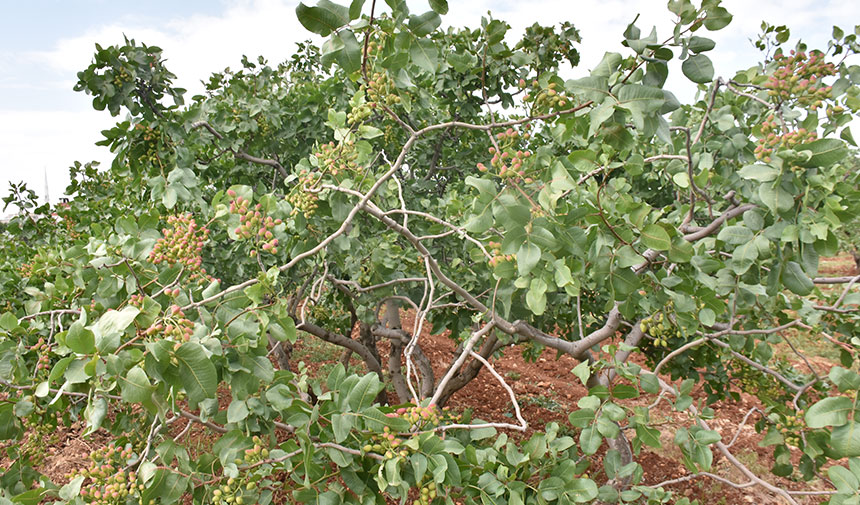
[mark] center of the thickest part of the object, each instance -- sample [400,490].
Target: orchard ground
[548,392]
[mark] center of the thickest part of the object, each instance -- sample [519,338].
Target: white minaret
[47,194]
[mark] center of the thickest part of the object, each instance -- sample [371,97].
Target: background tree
[455,175]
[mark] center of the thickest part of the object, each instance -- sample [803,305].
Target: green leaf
[796,280]
[735,235]
[649,383]
[323,19]
[655,237]
[364,392]
[349,57]
[440,6]
[832,411]
[825,152]
[759,172]
[590,440]
[698,68]
[424,54]
[237,411]
[717,18]
[341,425]
[8,321]
[536,296]
[527,258]
[777,199]
[80,339]
[355,9]
[845,440]
[424,24]
[72,490]
[135,386]
[700,44]
[165,487]
[582,490]
[582,371]
[845,481]
[196,372]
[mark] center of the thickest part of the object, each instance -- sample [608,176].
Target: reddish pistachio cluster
[254,224]
[771,140]
[254,454]
[43,349]
[338,157]
[548,97]
[109,483]
[508,162]
[183,244]
[799,76]
[301,198]
[174,325]
[422,418]
[498,258]
[136,301]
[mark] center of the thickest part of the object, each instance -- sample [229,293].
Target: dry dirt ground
[547,392]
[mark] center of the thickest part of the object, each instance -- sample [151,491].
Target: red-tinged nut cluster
[254,224]
[336,158]
[799,77]
[107,482]
[173,326]
[390,444]
[303,198]
[499,258]
[183,244]
[509,162]
[43,349]
[136,301]
[772,140]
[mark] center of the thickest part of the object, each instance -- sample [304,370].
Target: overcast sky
[45,126]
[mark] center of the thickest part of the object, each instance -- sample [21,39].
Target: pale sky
[45,126]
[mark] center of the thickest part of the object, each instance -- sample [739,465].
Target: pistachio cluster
[173,326]
[236,491]
[754,382]
[390,445]
[790,428]
[43,349]
[547,97]
[254,224]
[121,77]
[41,435]
[498,258]
[109,483]
[301,198]
[799,76]
[183,244]
[772,140]
[426,494]
[380,89]
[660,328]
[263,127]
[336,158]
[149,137]
[508,162]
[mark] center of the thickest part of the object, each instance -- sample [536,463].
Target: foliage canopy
[455,174]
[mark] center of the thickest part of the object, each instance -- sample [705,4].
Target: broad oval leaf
[698,69]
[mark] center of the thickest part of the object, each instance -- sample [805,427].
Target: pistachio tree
[455,174]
